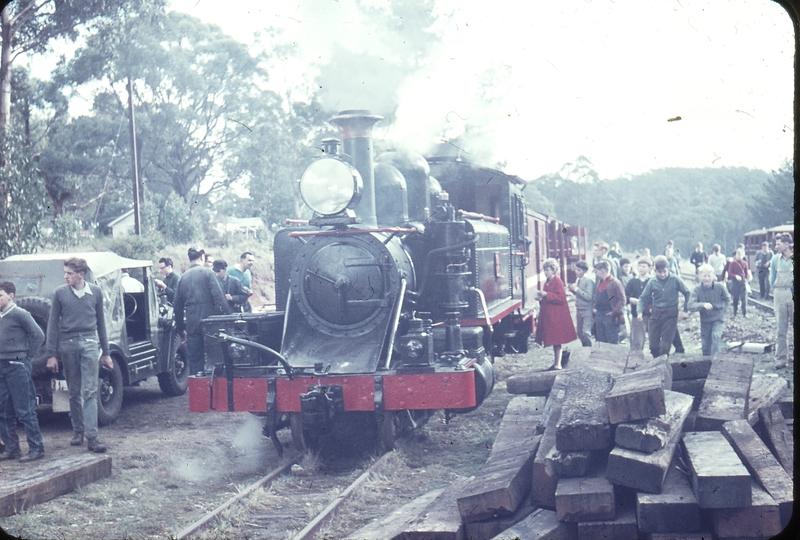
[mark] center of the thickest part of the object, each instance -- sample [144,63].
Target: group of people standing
[207,288]
[76,336]
[649,301]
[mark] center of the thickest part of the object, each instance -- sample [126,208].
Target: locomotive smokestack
[356,129]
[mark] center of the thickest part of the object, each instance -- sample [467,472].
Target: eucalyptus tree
[774,204]
[23,203]
[196,94]
[29,27]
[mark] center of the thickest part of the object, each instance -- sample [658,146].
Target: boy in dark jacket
[711,299]
[661,296]
[20,340]
[609,304]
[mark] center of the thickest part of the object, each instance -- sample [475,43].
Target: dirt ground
[171,466]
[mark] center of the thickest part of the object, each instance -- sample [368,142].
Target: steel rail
[314,526]
[206,519]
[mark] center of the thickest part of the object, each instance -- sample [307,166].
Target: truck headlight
[329,186]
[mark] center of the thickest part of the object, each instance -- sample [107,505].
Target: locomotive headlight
[329,186]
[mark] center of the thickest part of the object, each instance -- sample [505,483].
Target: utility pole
[137,214]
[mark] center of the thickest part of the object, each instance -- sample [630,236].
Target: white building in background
[247,227]
[123,226]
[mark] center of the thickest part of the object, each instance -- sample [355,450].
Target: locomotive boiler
[391,302]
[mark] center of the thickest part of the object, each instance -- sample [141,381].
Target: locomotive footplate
[447,388]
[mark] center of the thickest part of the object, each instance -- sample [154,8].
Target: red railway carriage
[392,301]
[754,239]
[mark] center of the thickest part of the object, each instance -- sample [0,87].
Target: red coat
[555,323]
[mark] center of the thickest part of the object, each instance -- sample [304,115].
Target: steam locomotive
[392,301]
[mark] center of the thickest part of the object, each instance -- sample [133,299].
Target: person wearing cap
[232,287]
[199,295]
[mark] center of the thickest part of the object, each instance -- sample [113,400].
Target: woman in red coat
[555,323]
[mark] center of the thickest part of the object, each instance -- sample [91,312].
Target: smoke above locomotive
[391,302]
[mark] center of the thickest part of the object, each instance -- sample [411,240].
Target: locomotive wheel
[304,440]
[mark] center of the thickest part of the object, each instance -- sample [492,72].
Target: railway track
[247,522]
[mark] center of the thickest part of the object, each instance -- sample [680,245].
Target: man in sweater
[171,278]
[583,289]
[763,260]
[20,339]
[698,258]
[199,295]
[609,304]
[711,299]
[232,287]
[660,296]
[781,277]
[633,290]
[76,333]
[242,271]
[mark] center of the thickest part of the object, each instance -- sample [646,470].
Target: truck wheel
[175,381]
[109,394]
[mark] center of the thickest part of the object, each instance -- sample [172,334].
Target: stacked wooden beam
[615,452]
[504,482]
[50,479]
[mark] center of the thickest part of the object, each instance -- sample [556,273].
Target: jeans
[784,313]
[677,342]
[739,292]
[18,401]
[710,337]
[663,325]
[195,350]
[763,282]
[638,332]
[81,358]
[606,329]
[583,324]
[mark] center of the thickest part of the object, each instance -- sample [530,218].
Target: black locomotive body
[391,302]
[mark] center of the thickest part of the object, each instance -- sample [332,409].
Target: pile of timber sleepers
[608,449]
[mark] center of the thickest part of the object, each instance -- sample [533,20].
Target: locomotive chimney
[356,129]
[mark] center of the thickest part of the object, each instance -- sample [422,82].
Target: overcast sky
[537,83]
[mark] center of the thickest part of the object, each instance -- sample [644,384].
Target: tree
[774,205]
[23,202]
[197,93]
[29,26]
[274,159]
[685,205]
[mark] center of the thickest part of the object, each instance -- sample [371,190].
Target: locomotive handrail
[246,342]
[395,321]
[484,307]
[475,215]
[346,232]
[290,221]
